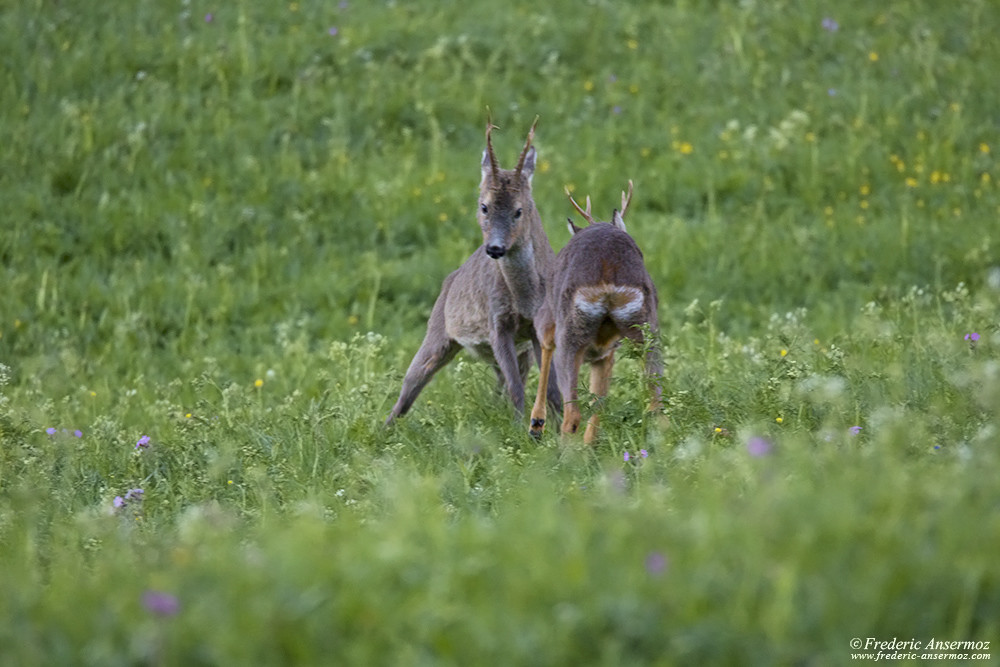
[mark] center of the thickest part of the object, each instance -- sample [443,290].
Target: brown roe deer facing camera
[488,305]
[600,292]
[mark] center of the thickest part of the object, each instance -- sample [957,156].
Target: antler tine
[489,143]
[626,199]
[585,213]
[527,145]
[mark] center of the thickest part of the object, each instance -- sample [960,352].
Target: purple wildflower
[855,430]
[643,453]
[134,494]
[830,25]
[78,433]
[143,442]
[333,31]
[656,563]
[627,457]
[161,604]
[616,109]
[209,17]
[51,430]
[758,446]
[118,502]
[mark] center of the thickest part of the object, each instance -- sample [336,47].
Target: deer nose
[495,251]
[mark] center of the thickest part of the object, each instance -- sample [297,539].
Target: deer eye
[517,214]
[483,208]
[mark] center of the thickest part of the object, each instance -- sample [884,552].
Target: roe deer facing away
[488,305]
[600,292]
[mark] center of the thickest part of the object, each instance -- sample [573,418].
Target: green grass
[227,235]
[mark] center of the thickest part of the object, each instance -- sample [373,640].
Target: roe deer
[600,292]
[488,305]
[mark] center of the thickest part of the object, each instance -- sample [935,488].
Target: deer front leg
[600,381]
[553,395]
[538,411]
[545,334]
[505,355]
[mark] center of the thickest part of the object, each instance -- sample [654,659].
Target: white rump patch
[619,302]
[631,306]
[589,308]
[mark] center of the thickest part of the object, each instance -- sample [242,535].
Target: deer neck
[523,274]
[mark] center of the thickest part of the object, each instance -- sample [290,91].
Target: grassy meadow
[224,227]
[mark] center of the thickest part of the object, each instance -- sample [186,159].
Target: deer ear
[618,221]
[528,170]
[573,229]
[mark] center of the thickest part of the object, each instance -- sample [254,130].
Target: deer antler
[489,143]
[626,199]
[585,213]
[527,145]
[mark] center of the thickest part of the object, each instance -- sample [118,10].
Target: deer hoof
[537,426]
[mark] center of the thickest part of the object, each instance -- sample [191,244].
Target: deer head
[506,208]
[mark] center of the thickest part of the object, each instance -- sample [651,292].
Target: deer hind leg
[434,353]
[600,381]
[567,365]
[654,371]
[653,365]
[430,358]
[538,411]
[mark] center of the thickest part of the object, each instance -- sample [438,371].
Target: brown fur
[600,292]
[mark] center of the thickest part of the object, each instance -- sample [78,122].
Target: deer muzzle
[495,250]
